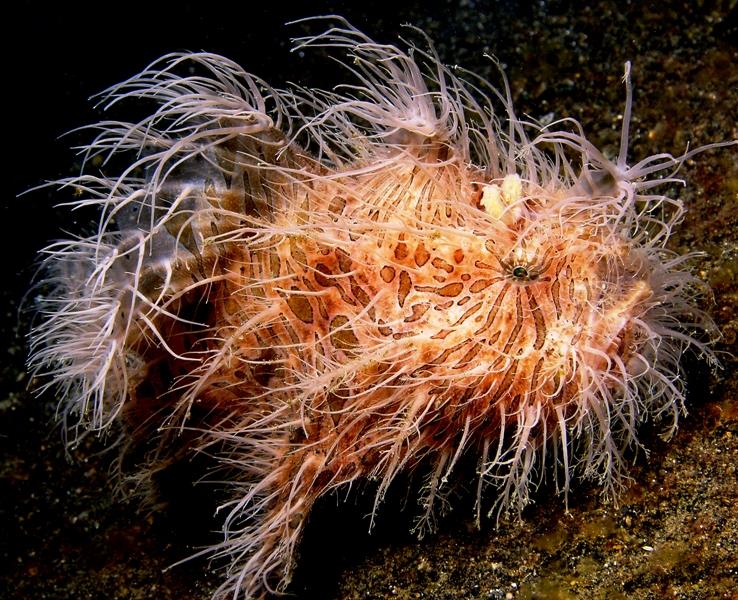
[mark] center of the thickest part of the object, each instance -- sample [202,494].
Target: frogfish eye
[520,273]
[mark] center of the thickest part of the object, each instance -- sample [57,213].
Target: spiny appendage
[317,289]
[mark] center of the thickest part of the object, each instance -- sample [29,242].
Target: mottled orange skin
[388,329]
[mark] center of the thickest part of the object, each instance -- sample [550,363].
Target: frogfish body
[319,287]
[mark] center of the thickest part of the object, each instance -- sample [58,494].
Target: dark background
[62,533]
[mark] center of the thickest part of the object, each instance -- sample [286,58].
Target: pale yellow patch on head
[512,188]
[499,200]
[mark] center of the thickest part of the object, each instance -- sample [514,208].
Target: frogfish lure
[317,288]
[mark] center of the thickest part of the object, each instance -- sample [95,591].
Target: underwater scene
[417,300]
